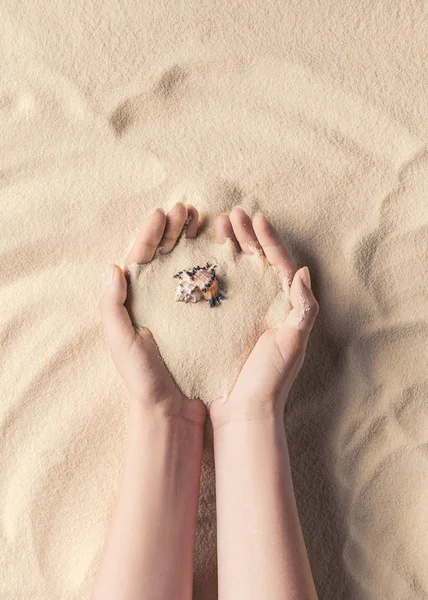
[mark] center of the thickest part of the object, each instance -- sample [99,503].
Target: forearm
[149,549]
[261,551]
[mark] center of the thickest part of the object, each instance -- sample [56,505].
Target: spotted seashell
[197,283]
[187,292]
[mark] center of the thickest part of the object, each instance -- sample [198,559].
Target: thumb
[116,320]
[293,334]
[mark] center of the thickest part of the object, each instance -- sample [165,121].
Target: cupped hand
[134,351]
[266,377]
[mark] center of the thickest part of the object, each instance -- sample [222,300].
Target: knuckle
[147,334]
[314,307]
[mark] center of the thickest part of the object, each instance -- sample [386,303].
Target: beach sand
[315,114]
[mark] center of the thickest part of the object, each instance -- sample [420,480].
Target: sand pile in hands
[204,348]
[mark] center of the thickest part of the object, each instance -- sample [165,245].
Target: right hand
[266,377]
[134,351]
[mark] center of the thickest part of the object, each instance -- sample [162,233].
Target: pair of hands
[265,379]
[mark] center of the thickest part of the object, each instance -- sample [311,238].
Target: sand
[314,113]
[205,347]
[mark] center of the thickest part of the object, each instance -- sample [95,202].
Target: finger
[243,229]
[294,332]
[147,240]
[223,230]
[276,252]
[175,220]
[116,320]
[192,221]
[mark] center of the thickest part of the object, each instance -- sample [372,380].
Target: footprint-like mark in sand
[170,82]
[122,117]
[166,88]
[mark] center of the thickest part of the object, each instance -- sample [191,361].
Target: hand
[134,351]
[266,377]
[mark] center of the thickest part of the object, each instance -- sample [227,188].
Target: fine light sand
[314,113]
[205,347]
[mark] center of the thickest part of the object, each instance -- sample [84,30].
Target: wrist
[245,439]
[237,413]
[156,416]
[271,422]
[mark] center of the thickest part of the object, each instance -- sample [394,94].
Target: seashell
[197,283]
[187,292]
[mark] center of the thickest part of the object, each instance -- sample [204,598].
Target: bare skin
[149,549]
[260,545]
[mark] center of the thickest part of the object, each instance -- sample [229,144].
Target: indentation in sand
[122,117]
[170,82]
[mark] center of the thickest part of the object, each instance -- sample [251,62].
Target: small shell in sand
[186,291]
[197,283]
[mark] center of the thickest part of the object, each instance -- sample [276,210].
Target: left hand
[134,351]
[262,386]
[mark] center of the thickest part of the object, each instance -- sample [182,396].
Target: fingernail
[305,277]
[176,204]
[110,274]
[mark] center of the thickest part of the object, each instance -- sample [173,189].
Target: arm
[261,551]
[149,549]
[148,553]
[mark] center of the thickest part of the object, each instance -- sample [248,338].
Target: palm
[261,368]
[133,350]
[262,375]
[148,371]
